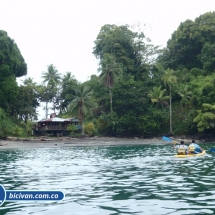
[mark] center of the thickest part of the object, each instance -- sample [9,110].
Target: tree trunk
[111,107]
[170,110]
[81,117]
[82,127]
[46,110]
[54,107]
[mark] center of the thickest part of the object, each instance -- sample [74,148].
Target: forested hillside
[141,90]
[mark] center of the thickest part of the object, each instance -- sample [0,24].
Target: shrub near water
[17,131]
[5,124]
[72,128]
[90,129]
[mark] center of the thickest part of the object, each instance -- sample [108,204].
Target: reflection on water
[113,180]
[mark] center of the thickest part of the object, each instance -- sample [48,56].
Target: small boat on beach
[190,155]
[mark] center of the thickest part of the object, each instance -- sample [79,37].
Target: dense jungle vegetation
[141,90]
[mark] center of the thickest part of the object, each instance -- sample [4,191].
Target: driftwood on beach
[28,139]
[44,138]
[11,138]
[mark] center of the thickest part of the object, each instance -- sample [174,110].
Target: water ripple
[143,179]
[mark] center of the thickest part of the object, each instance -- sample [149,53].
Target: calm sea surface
[112,180]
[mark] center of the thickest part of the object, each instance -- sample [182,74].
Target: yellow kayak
[193,155]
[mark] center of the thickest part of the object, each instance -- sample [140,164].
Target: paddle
[211,150]
[166,139]
[169,140]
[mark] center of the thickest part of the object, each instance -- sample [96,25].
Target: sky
[62,32]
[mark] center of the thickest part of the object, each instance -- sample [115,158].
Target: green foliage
[90,129]
[124,55]
[12,65]
[83,101]
[8,94]
[28,126]
[185,94]
[11,61]
[27,100]
[157,96]
[116,40]
[203,88]
[195,72]
[5,124]
[107,124]
[50,92]
[110,72]
[69,84]
[206,117]
[155,122]
[130,97]
[51,77]
[132,116]
[17,131]
[128,46]
[192,44]
[183,116]
[207,57]
[169,79]
[128,125]
[72,128]
[100,94]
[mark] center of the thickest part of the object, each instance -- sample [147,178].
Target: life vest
[191,149]
[181,151]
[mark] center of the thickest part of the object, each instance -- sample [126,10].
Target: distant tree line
[140,90]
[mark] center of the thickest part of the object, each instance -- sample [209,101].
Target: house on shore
[54,126]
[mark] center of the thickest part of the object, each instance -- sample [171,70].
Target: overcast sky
[62,32]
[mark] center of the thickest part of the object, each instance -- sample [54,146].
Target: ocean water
[110,180]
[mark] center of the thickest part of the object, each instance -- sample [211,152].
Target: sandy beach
[76,142]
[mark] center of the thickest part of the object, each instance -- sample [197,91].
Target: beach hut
[54,125]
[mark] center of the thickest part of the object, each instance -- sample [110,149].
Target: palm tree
[69,84]
[110,71]
[157,96]
[83,102]
[51,78]
[169,78]
[184,93]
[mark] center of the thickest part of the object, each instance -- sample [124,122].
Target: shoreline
[84,142]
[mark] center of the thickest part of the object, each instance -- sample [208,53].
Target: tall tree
[45,95]
[69,84]
[12,65]
[110,71]
[83,102]
[27,100]
[192,44]
[129,48]
[51,78]
[52,75]
[169,78]
[100,94]
[11,60]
